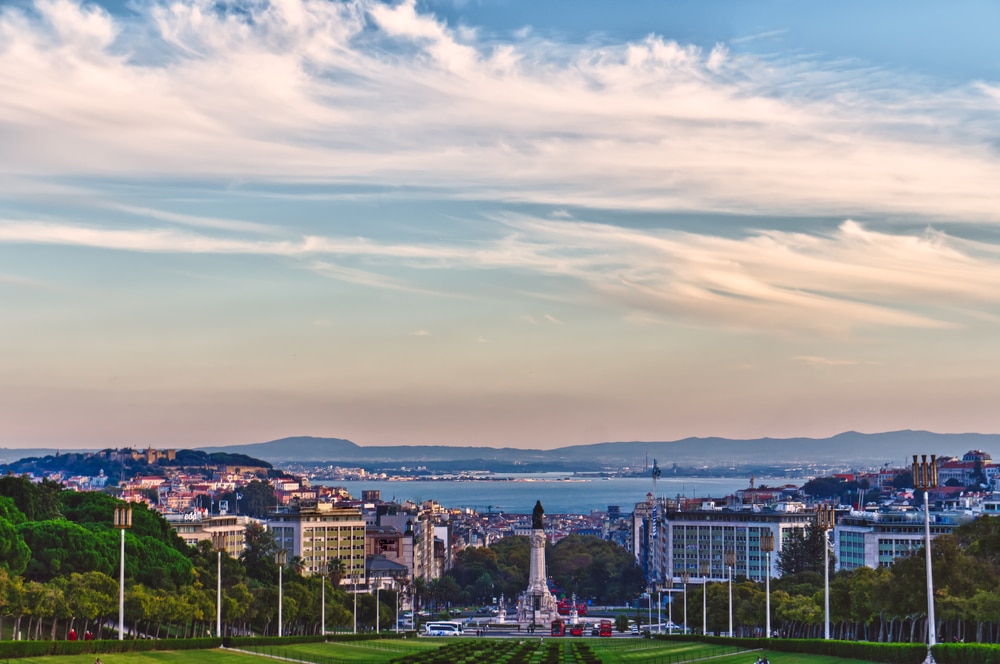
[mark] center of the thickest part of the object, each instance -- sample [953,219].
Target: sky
[500,223]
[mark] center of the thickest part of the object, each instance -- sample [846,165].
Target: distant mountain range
[894,447]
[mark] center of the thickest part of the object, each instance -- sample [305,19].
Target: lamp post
[123,521]
[218,543]
[767,546]
[668,583]
[354,585]
[649,605]
[704,598]
[730,562]
[685,577]
[825,518]
[324,570]
[925,477]
[378,599]
[281,557]
[659,608]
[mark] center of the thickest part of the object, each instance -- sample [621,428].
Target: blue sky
[496,223]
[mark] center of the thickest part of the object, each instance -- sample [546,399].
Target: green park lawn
[617,651]
[627,651]
[367,651]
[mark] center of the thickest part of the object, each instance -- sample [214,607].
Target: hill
[851,447]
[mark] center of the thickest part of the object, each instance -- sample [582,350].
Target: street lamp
[123,521]
[323,571]
[925,477]
[703,568]
[354,588]
[685,577]
[730,557]
[767,546]
[825,518]
[281,557]
[649,604]
[668,583]
[218,544]
[659,608]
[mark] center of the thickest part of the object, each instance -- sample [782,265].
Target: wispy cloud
[848,279]
[198,221]
[362,92]
[827,361]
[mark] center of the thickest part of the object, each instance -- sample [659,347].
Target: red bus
[558,628]
[605,628]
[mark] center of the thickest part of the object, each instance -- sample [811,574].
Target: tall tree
[258,556]
[803,552]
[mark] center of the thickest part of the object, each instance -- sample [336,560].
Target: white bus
[443,629]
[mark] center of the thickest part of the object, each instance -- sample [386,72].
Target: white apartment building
[877,539]
[224,532]
[318,532]
[696,542]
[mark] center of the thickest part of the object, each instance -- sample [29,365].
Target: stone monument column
[537,605]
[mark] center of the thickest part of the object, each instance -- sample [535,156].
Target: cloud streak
[849,279]
[361,92]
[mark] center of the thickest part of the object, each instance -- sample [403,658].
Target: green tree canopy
[14,552]
[60,547]
[38,501]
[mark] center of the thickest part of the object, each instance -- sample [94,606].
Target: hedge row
[18,649]
[966,653]
[893,653]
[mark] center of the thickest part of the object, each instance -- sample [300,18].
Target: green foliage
[966,653]
[37,501]
[60,547]
[621,622]
[592,567]
[89,507]
[585,565]
[803,552]
[257,500]
[258,556]
[9,511]
[14,552]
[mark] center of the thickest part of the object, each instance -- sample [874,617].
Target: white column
[218,602]
[826,583]
[322,579]
[279,599]
[931,627]
[730,567]
[121,594]
[767,581]
[704,605]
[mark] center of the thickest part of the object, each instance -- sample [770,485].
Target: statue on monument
[537,514]
[537,605]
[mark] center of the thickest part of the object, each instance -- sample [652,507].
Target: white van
[442,629]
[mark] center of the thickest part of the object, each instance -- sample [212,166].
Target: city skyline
[489,223]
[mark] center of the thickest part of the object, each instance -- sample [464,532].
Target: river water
[559,493]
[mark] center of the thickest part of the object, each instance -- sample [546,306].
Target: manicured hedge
[893,653]
[966,653]
[10,649]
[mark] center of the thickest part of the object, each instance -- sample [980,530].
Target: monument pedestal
[537,605]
